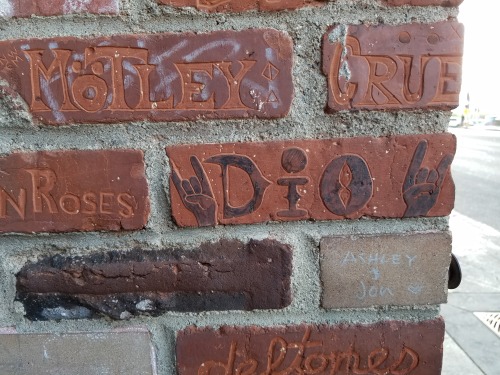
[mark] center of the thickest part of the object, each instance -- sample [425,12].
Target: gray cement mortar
[307,120]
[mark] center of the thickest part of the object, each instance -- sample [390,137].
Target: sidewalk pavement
[470,347]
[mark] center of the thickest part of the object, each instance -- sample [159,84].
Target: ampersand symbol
[196,194]
[423,185]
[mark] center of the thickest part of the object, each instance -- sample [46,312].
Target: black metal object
[454,274]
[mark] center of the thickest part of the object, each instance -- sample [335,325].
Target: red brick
[332,179]
[63,191]
[227,275]
[241,5]
[393,67]
[392,348]
[160,77]
[446,3]
[25,8]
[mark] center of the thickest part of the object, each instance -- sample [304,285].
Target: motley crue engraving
[393,67]
[390,348]
[241,5]
[60,191]
[399,176]
[162,77]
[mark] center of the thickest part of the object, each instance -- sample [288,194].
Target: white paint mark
[6,8]
[76,6]
[214,45]
[158,59]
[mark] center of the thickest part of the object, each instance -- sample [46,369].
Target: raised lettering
[192,88]
[127,203]
[105,202]
[342,95]
[56,70]
[70,204]
[259,183]
[116,56]
[90,202]
[43,181]
[234,83]
[382,69]
[19,206]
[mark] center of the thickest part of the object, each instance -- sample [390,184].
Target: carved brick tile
[161,77]
[64,191]
[331,179]
[393,67]
[392,348]
[391,269]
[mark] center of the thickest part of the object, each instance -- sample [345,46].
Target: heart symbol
[415,288]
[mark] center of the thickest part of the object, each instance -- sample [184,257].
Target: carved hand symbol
[422,185]
[196,194]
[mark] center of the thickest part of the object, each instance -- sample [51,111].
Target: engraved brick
[241,5]
[392,348]
[63,191]
[160,77]
[446,3]
[113,352]
[363,271]
[242,183]
[16,8]
[393,67]
[227,275]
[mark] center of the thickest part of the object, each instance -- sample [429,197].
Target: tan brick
[394,67]
[391,348]
[127,352]
[364,271]
[330,179]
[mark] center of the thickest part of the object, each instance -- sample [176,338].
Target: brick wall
[226,187]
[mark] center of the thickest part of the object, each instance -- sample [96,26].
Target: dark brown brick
[227,275]
[160,77]
[393,67]
[64,191]
[446,3]
[241,5]
[27,8]
[331,179]
[392,348]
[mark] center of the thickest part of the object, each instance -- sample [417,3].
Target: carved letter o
[84,85]
[360,186]
[70,204]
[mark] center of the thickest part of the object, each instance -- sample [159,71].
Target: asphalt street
[471,347]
